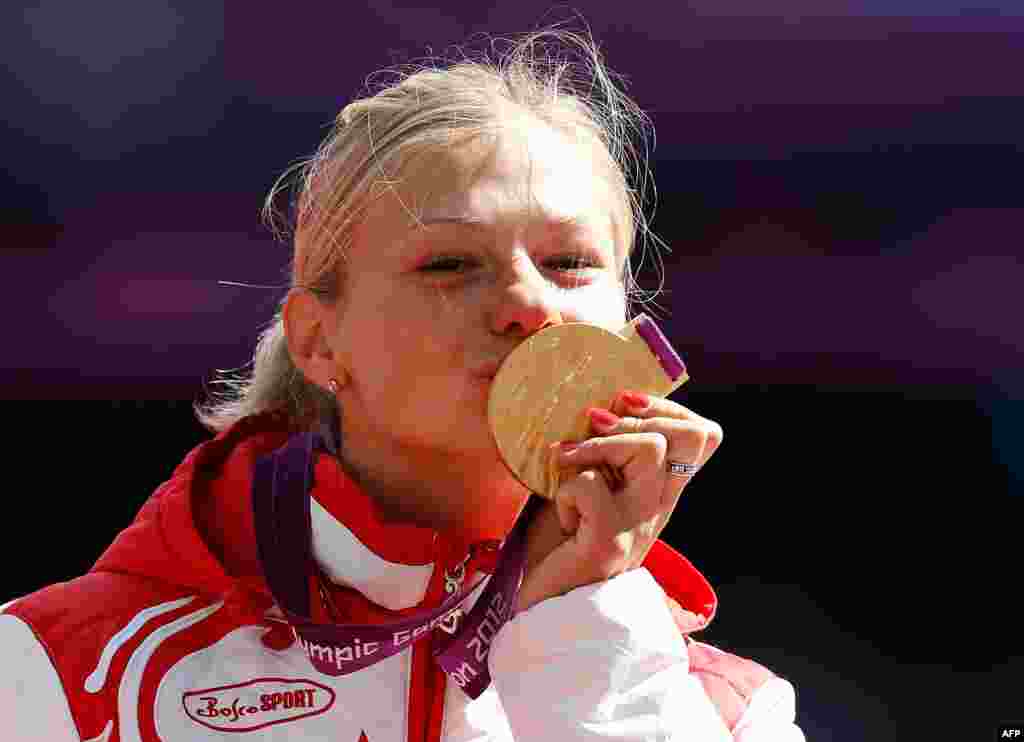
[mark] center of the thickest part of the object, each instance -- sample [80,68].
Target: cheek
[400,352]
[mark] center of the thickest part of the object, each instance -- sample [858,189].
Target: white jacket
[173,635]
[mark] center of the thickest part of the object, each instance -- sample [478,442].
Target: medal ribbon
[282,484]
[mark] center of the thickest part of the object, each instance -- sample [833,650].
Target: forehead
[526,174]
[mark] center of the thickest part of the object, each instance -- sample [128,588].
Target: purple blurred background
[840,184]
[840,190]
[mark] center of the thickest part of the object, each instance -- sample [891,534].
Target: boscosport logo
[255,704]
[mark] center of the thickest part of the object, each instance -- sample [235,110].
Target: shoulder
[69,641]
[83,613]
[31,696]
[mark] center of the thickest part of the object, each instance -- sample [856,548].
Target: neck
[465,496]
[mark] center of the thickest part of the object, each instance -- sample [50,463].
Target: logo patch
[259,703]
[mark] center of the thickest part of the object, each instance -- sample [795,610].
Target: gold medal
[542,390]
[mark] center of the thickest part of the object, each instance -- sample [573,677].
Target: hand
[596,529]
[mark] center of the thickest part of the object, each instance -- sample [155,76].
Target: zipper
[482,554]
[452,584]
[427,681]
[431,704]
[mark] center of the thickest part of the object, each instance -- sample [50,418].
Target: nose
[526,304]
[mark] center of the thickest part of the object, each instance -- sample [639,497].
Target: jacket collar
[202,517]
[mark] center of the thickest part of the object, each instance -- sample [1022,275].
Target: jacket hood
[202,517]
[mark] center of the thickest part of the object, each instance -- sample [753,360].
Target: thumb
[568,509]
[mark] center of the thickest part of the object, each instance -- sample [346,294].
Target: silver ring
[679,469]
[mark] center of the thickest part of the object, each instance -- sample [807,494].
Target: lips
[487,370]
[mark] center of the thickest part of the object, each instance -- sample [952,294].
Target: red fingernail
[567,446]
[603,417]
[636,400]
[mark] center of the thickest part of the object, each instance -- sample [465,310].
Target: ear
[306,325]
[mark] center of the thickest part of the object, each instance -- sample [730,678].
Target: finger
[661,407]
[640,457]
[690,441]
[654,406]
[635,455]
[568,512]
[686,440]
[686,444]
[612,476]
[602,534]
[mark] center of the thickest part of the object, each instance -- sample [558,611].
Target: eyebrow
[564,221]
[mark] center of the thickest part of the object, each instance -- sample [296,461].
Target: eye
[569,263]
[444,264]
[575,262]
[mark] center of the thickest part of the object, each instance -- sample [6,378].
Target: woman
[446,219]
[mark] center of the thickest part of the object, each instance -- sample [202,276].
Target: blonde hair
[426,108]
